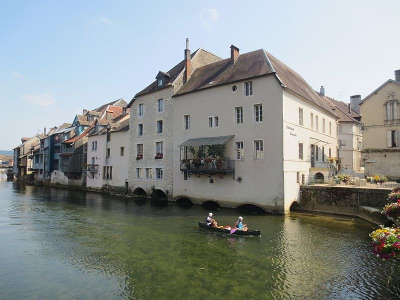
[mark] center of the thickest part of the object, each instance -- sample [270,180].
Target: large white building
[151,142]
[273,130]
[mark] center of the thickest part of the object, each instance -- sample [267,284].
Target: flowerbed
[386,241]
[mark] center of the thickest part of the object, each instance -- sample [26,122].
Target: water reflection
[119,249]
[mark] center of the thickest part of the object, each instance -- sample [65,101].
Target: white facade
[272,181]
[350,144]
[108,160]
[143,171]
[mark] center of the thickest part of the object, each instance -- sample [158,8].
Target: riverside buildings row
[245,130]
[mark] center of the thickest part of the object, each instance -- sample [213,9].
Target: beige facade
[381,136]
[350,143]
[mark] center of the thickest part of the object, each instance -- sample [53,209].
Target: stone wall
[344,200]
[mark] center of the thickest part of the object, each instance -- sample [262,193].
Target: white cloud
[39,99]
[17,75]
[209,16]
[104,20]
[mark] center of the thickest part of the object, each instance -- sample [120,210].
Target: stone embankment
[363,202]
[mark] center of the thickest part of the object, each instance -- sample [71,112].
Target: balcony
[92,168]
[207,166]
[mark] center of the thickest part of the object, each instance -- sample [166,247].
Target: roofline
[221,84]
[377,89]
[159,89]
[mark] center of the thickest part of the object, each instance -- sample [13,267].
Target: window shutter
[397,138]
[389,138]
[395,110]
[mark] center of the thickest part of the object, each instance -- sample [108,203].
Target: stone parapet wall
[344,200]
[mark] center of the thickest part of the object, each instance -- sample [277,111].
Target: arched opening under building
[184,202]
[251,209]
[159,198]
[139,192]
[319,177]
[294,206]
[210,205]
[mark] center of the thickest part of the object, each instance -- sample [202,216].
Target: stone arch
[319,177]
[139,192]
[209,204]
[251,209]
[159,198]
[294,206]
[184,202]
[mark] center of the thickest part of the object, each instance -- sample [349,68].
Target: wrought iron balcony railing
[208,166]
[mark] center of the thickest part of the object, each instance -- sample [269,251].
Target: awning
[206,141]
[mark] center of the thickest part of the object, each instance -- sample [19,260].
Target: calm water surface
[56,244]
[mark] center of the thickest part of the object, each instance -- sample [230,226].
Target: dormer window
[160,82]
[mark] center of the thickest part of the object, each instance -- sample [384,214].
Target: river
[58,244]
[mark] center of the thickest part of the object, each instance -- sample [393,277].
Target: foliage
[216,151]
[377,179]
[386,241]
[343,178]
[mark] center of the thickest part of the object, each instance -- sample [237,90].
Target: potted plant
[159,156]
[139,157]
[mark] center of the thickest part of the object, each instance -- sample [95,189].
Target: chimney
[44,131]
[322,90]
[234,53]
[84,112]
[349,106]
[355,101]
[397,75]
[188,63]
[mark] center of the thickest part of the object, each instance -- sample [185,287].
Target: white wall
[294,133]
[262,180]
[99,156]
[119,163]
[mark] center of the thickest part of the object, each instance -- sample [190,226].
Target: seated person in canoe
[239,224]
[210,221]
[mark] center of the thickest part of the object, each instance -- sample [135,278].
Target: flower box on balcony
[139,157]
[159,156]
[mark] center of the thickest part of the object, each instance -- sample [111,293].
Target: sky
[58,57]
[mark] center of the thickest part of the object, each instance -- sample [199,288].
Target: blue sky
[58,57]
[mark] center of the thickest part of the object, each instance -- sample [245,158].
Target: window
[159,126]
[110,172]
[248,88]
[159,148]
[391,110]
[108,152]
[138,172]
[141,112]
[107,172]
[300,150]
[303,179]
[316,123]
[330,152]
[312,120]
[298,177]
[140,129]
[393,138]
[213,122]
[301,116]
[160,105]
[93,161]
[160,82]
[149,173]
[258,113]
[323,125]
[186,119]
[259,149]
[122,150]
[139,150]
[104,172]
[159,173]
[108,135]
[323,153]
[239,150]
[239,115]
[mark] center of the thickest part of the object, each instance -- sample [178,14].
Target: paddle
[233,230]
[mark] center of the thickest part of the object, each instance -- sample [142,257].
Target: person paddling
[210,221]
[239,224]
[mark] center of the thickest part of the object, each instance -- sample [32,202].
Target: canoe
[227,231]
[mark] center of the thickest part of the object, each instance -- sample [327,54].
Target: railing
[205,166]
[92,168]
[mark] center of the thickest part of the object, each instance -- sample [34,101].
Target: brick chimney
[397,75]
[234,53]
[322,90]
[188,63]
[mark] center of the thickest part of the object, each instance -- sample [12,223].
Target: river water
[57,244]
